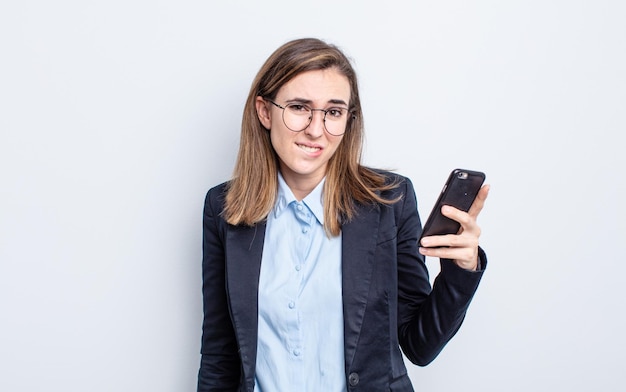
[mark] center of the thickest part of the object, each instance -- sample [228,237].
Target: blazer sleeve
[220,363]
[427,317]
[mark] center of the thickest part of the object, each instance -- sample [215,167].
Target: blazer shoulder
[399,184]
[215,198]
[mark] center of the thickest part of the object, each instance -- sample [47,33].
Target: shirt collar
[313,200]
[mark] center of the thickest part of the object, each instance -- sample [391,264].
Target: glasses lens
[335,121]
[297,117]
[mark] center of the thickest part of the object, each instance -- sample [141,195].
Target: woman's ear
[263,112]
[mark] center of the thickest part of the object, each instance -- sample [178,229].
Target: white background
[117,116]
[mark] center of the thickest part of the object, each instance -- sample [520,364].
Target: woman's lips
[309,148]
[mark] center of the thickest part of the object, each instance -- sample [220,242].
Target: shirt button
[298,267]
[353,379]
[305,231]
[296,352]
[299,207]
[292,305]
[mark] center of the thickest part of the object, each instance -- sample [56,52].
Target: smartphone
[459,191]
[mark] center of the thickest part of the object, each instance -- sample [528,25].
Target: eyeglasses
[297,117]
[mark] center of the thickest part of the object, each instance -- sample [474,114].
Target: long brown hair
[253,190]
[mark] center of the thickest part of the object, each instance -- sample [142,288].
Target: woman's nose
[316,127]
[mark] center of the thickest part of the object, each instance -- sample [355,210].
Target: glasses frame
[325,111]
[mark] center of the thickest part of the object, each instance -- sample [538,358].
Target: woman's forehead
[325,86]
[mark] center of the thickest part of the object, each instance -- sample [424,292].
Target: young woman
[313,279]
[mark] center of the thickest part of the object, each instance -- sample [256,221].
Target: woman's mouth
[308,148]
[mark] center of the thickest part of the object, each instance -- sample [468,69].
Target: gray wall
[117,116]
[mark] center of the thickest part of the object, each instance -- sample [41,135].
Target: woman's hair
[252,192]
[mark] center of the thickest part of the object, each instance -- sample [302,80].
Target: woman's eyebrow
[309,101]
[338,102]
[300,100]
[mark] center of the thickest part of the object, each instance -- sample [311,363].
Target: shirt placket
[302,246]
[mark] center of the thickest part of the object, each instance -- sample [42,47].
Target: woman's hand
[462,247]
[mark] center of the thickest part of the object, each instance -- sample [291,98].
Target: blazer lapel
[244,249]
[359,238]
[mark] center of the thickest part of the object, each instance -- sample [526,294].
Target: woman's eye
[336,112]
[298,108]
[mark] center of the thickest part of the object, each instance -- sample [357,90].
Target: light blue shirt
[300,342]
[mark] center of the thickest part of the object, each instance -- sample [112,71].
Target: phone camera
[462,175]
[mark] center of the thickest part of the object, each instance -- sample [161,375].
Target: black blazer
[387,298]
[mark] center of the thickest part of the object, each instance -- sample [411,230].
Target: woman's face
[304,156]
